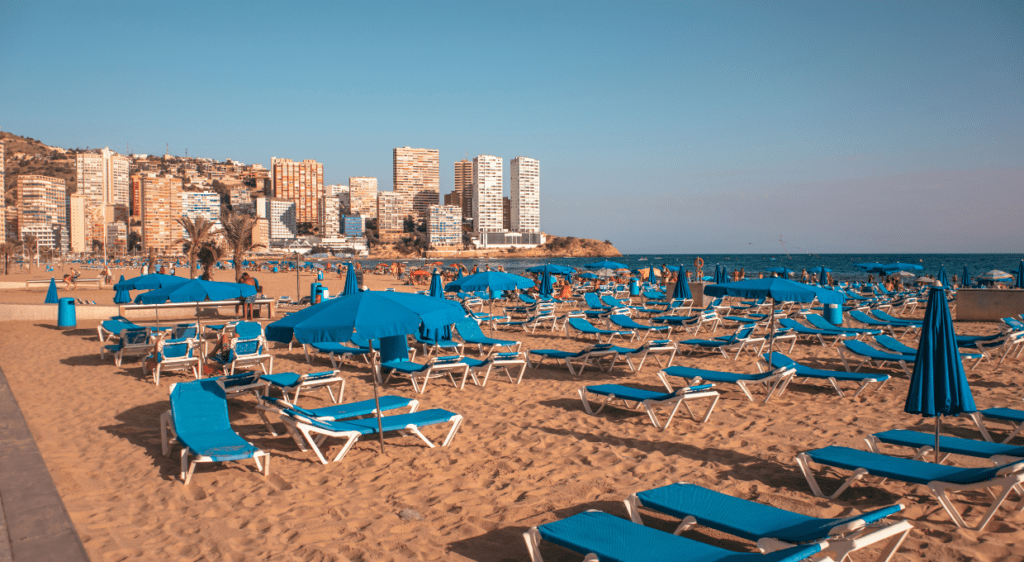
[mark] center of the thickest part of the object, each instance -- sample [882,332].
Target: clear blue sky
[663,127]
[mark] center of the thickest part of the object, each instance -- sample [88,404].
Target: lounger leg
[743,387]
[804,462]
[632,508]
[532,538]
[344,448]
[315,446]
[191,466]
[165,426]
[456,424]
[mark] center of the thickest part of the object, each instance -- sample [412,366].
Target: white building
[77,221]
[392,209]
[330,216]
[487,209]
[117,238]
[206,204]
[444,226]
[524,175]
[102,177]
[280,215]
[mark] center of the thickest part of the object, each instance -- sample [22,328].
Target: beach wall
[48,312]
[988,305]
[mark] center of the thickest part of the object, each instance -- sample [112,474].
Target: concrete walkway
[34,525]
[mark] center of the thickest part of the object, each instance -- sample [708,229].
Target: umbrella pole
[376,402]
[938,424]
[771,336]
[199,338]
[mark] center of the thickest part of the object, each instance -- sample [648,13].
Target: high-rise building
[352,226]
[3,204]
[445,226]
[42,210]
[206,204]
[330,216]
[134,196]
[392,208]
[261,233]
[77,224]
[335,190]
[239,196]
[362,193]
[524,175]
[506,214]
[161,206]
[280,215]
[464,187]
[487,215]
[301,182]
[453,198]
[102,177]
[117,238]
[417,174]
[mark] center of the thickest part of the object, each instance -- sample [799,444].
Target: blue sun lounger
[940,479]
[294,382]
[503,361]
[780,361]
[315,431]
[337,352]
[331,413]
[770,527]
[646,399]
[470,332]
[924,443]
[738,340]
[886,317]
[872,355]
[774,382]
[585,328]
[115,326]
[653,348]
[591,355]
[820,323]
[627,323]
[815,333]
[896,346]
[1002,414]
[198,419]
[603,537]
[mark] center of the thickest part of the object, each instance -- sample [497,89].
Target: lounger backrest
[139,336]
[820,322]
[175,349]
[593,301]
[199,407]
[743,333]
[248,330]
[469,329]
[394,348]
[581,325]
[611,301]
[185,331]
[243,348]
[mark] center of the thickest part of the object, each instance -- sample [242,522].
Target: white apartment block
[3,209]
[280,215]
[487,209]
[362,199]
[103,177]
[117,238]
[330,216]
[524,175]
[392,208]
[77,224]
[335,190]
[206,204]
[444,226]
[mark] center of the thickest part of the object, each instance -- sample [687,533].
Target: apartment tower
[417,175]
[102,177]
[77,225]
[362,197]
[42,210]
[487,215]
[161,205]
[392,208]
[3,204]
[302,182]
[464,187]
[524,175]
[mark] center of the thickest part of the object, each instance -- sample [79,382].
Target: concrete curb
[38,527]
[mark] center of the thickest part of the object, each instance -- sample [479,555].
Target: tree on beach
[208,256]
[28,245]
[238,237]
[7,250]
[197,233]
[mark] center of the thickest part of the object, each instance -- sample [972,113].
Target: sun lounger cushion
[368,426]
[779,360]
[342,411]
[716,376]
[904,470]
[948,444]
[288,380]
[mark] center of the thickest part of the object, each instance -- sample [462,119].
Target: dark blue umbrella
[942,277]
[436,287]
[490,281]
[899,266]
[650,274]
[545,283]
[122,296]
[1020,275]
[682,290]
[197,290]
[785,272]
[821,271]
[777,289]
[870,266]
[605,265]
[965,278]
[458,275]
[51,293]
[351,281]
[588,275]
[552,268]
[938,385]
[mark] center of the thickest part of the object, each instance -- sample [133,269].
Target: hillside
[24,155]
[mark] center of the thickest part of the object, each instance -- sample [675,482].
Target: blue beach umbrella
[682,289]
[151,281]
[122,296]
[588,275]
[1020,275]
[351,281]
[551,268]
[436,287]
[51,293]
[821,271]
[942,277]
[370,314]
[784,272]
[605,265]
[545,283]
[965,278]
[489,281]
[197,291]
[938,385]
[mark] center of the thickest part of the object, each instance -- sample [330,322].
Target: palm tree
[197,234]
[208,256]
[8,249]
[238,237]
[28,245]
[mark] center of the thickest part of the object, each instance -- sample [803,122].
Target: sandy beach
[527,454]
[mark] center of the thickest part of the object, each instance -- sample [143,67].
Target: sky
[718,127]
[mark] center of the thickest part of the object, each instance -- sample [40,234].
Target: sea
[842,265]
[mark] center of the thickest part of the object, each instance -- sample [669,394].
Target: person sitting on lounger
[71,279]
[566,291]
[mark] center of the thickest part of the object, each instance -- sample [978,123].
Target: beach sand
[527,454]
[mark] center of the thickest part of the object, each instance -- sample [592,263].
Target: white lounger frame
[307,430]
[310,384]
[1007,480]
[774,384]
[762,365]
[680,399]
[842,539]
[520,361]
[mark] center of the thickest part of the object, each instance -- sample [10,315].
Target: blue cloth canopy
[870,266]
[938,385]
[370,314]
[151,281]
[436,287]
[122,296]
[605,265]
[545,283]
[552,268]
[776,288]
[682,290]
[51,293]
[489,281]
[783,271]
[899,266]
[351,281]
[965,278]
[941,277]
[588,275]
[197,290]
[1020,275]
